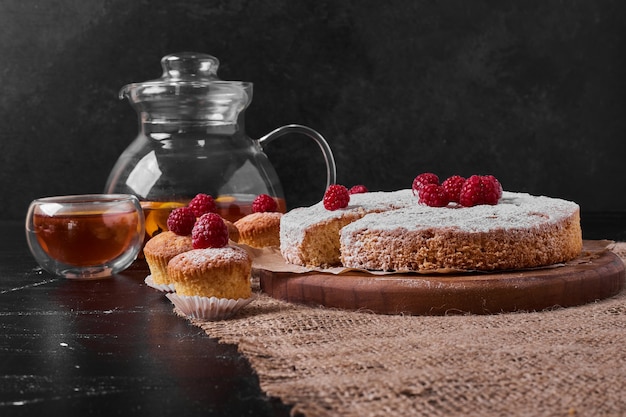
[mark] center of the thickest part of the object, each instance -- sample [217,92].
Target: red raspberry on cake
[336,197]
[479,189]
[181,221]
[357,189]
[493,182]
[202,204]
[264,203]
[471,192]
[424,178]
[433,195]
[210,231]
[453,187]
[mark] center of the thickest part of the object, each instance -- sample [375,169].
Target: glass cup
[85,236]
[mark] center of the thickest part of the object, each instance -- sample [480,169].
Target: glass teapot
[192,140]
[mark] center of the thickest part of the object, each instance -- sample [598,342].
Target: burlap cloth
[326,362]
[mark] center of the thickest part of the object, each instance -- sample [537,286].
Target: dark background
[530,91]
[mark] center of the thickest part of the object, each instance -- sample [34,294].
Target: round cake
[160,249]
[212,272]
[521,231]
[259,230]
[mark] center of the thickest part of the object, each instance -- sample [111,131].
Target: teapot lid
[189,90]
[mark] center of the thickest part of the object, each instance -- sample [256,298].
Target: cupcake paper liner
[161,287]
[208,308]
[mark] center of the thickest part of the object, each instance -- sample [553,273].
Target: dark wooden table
[114,346]
[111,347]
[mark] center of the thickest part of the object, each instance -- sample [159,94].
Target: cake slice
[309,236]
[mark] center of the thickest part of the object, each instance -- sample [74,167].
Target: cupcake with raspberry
[160,249]
[212,281]
[261,228]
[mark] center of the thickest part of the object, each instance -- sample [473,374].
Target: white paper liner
[208,308]
[161,287]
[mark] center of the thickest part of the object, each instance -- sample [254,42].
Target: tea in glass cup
[85,236]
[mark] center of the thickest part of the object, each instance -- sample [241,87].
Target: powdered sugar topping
[514,211]
[294,223]
[199,257]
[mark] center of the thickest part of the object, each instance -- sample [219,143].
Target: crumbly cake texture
[521,231]
[212,272]
[259,230]
[160,249]
[309,236]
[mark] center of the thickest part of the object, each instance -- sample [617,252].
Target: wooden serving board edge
[472,293]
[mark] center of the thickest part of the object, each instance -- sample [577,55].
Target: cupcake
[259,230]
[211,283]
[212,272]
[159,250]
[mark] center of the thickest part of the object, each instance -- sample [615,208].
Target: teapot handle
[331,169]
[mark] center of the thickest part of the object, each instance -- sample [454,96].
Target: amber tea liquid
[85,238]
[156,213]
[231,208]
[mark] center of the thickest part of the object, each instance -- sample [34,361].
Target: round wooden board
[476,293]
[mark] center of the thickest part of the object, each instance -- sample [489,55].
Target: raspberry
[202,204]
[425,178]
[433,195]
[496,185]
[479,189]
[453,187]
[210,231]
[357,189]
[263,203]
[336,197]
[471,192]
[181,221]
